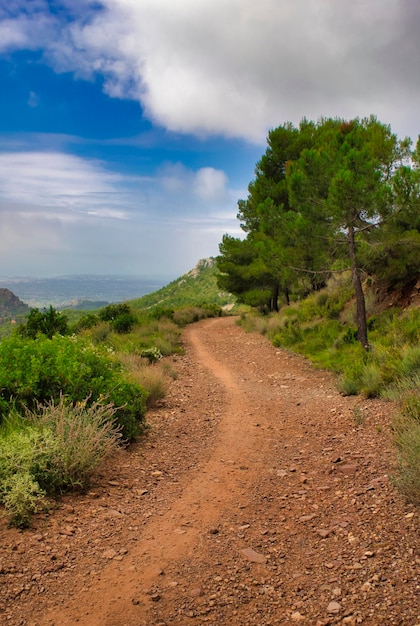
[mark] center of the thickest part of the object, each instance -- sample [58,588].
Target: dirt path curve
[260,497]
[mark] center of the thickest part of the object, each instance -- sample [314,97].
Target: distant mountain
[197,287]
[11,305]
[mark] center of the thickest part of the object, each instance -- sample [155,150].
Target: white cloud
[89,219]
[53,179]
[27,30]
[240,67]
[210,184]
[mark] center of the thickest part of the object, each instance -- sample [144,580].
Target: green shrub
[372,380]
[406,427]
[37,371]
[48,322]
[409,365]
[84,435]
[52,450]
[124,323]
[130,398]
[22,497]
[112,311]
[86,322]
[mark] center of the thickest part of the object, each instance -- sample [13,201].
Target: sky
[129,129]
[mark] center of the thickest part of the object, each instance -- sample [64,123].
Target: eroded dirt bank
[256,499]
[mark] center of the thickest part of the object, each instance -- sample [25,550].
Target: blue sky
[129,129]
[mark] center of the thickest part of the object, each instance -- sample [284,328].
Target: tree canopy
[334,194]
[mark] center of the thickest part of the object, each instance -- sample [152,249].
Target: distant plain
[76,290]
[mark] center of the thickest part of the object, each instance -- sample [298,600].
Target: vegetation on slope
[196,288]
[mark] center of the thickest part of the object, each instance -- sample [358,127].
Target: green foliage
[84,434]
[196,288]
[52,450]
[85,322]
[123,323]
[22,497]
[406,428]
[330,195]
[112,311]
[48,322]
[36,371]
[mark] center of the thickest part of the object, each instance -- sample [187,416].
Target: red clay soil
[260,496]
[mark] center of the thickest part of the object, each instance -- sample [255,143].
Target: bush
[112,311]
[123,323]
[41,370]
[86,322]
[53,450]
[406,425]
[21,496]
[153,381]
[48,322]
[84,435]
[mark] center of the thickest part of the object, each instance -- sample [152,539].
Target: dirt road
[260,497]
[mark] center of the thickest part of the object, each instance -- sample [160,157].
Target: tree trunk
[275,299]
[358,290]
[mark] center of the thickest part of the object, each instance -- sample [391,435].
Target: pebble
[254,557]
[334,607]
[297,617]
[109,554]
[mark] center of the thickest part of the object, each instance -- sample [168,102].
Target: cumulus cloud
[239,67]
[235,68]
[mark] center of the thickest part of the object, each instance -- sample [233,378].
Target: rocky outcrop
[10,304]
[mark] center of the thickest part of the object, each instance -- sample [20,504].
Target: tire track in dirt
[175,534]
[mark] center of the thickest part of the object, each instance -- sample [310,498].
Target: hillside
[11,305]
[197,287]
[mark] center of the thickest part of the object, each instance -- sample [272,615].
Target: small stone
[109,554]
[68,531]
[347,468]
[155,597]
[195,593]
[334,607]
[324,532]
[297,617]
[254,557]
